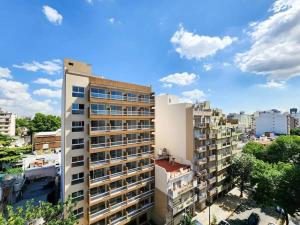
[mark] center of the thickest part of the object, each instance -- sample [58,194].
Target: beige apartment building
[107,147]
[7,123]
[198,134]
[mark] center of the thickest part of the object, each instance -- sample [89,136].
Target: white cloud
[111,20]
[179,79]
[207,67]
[52,15]
[192,96]
[48,93]
[194,46]
[51,83]
[274,84]
[89,1]
[50,67]
[275,49]
[14,97]
[5,73]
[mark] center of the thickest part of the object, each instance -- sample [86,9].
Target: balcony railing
[120,143]
[119,174]
[202,161]
[212,158]
[202,185]
[121,113]
[174,193]
[121,98]
[201,149]
[212,191]
[212,180]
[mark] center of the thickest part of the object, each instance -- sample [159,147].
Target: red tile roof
[170,167]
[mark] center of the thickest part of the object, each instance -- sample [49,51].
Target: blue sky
[240,55]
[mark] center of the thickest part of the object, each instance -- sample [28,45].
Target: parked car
[253,219]
[223,222]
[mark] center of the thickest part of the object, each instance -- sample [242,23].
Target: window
[98,109]
[77,126]
[77,178]
[78,212]
[77,143]
[78,91]
[98,93]
[77,108]
[77,196]
[77,161]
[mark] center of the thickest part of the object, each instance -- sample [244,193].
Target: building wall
[272,122]
[173,127]
[7,123]
[67,152]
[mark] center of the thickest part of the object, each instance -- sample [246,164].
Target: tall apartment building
[198,134]
[107,147]
[272,121]
[243,120]
[7,123]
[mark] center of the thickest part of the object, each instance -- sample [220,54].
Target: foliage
[284,149]
[5,140]
[14,170]
[214,220]
[256,149]
[60,214]
[22,122]
[295,131]
[42,122]
[276,174]
[187,220]
[13,154]
[241,169]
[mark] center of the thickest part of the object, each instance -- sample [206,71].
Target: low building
[175,187]
[47,142]
[7,123]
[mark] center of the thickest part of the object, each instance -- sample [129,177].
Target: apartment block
[107,147]
[272,121]
[175,186]
[201,135]
[7,123]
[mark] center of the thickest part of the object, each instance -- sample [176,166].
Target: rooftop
[170,166]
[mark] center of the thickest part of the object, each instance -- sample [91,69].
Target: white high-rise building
[272,121]
[7,123]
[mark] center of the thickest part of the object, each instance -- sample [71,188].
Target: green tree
[256,149]
[13,154]
[241,169]
[42,122]
[60,214]
[187,220]
[295,131]
[22,122]
[277,184]
[5,140]
[284,149]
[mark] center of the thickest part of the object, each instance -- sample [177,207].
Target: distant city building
[272,121]
[7,123]
[198,135]
[175,187]
[47,142]
[296,117]
[243,120]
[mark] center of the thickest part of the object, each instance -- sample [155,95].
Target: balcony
[222,177]
[212,191]
[200,137]
[120,175]
[223,166]
[211,146]
[184,204]
[223,187]
[201,149]
[202,197]
[120,97]
[110,144]
[223,155]
[212,169]
[202,161]
[200,125]
[174,193]
[121,113]
[202,173]
[211,158]
[212,180]
[202,185]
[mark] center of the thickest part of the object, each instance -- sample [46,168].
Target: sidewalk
[222,208]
